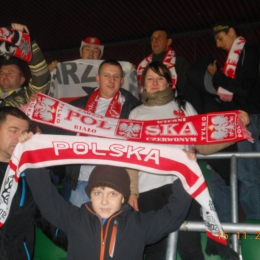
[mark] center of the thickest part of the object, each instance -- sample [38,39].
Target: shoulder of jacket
[128,96]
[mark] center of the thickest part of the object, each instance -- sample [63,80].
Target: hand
[133,201]
[243,117]
[33,97]
[190,155]
[37,130]
[133,67]
[53,65]
[20,27]
[212,68]
[25,136]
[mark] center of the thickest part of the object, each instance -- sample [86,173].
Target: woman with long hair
[159,101]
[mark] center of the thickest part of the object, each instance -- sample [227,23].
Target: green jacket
[39,81]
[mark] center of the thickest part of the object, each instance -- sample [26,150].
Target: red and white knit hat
[92,41]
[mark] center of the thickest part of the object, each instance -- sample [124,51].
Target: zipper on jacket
[103,236]
[26,250]
[113,239]
[102,240]
[22,176]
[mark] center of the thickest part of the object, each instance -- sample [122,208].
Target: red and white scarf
[230,67]
[15,43]
[168,60]
[210,128]
[47,150]
[114,107]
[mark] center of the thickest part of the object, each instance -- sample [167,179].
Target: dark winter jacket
[17,234]
[39,81]
[246,86]
[201,92]
[124,234]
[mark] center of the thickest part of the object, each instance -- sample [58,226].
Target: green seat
[45,250]
[203,243]
[250,243]
[206,172]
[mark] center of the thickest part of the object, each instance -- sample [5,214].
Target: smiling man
[90,48]
[108,100]
[238,87]
[12,77]
[110,79]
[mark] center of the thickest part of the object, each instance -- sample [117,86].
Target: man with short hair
[238,87]
[17,234]
[161,47]
[12,76]
[108,100]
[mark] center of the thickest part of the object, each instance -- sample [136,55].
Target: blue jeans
[79,196]
[248,176]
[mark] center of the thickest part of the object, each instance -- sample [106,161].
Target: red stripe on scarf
[218,239]
[48,154]
[14,168]
[202,187]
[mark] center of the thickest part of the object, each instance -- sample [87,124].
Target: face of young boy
[106,201]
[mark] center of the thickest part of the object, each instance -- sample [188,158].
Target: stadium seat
[45,250]
[250,243]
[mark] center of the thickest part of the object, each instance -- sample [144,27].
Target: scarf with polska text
[230,67]
[169,61]
[50,150]
[210,128]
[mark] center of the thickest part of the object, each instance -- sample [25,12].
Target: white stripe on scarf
[47,150]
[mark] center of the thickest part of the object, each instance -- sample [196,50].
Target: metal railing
[233,227]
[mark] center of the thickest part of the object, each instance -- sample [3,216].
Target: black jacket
[201,92]
[246,86]
[89,239]
[130,103]
[17,234]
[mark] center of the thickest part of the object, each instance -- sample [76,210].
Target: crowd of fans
[169,87]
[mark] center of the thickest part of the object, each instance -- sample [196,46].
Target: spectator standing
[238,87]
[12,76]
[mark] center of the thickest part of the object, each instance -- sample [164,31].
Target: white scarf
[47,150]
[199,129]
[231,66]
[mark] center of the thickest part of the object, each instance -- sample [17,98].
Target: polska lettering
[115,150]
[200,129]
[58,150]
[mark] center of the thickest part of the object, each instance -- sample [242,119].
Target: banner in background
[69,78]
